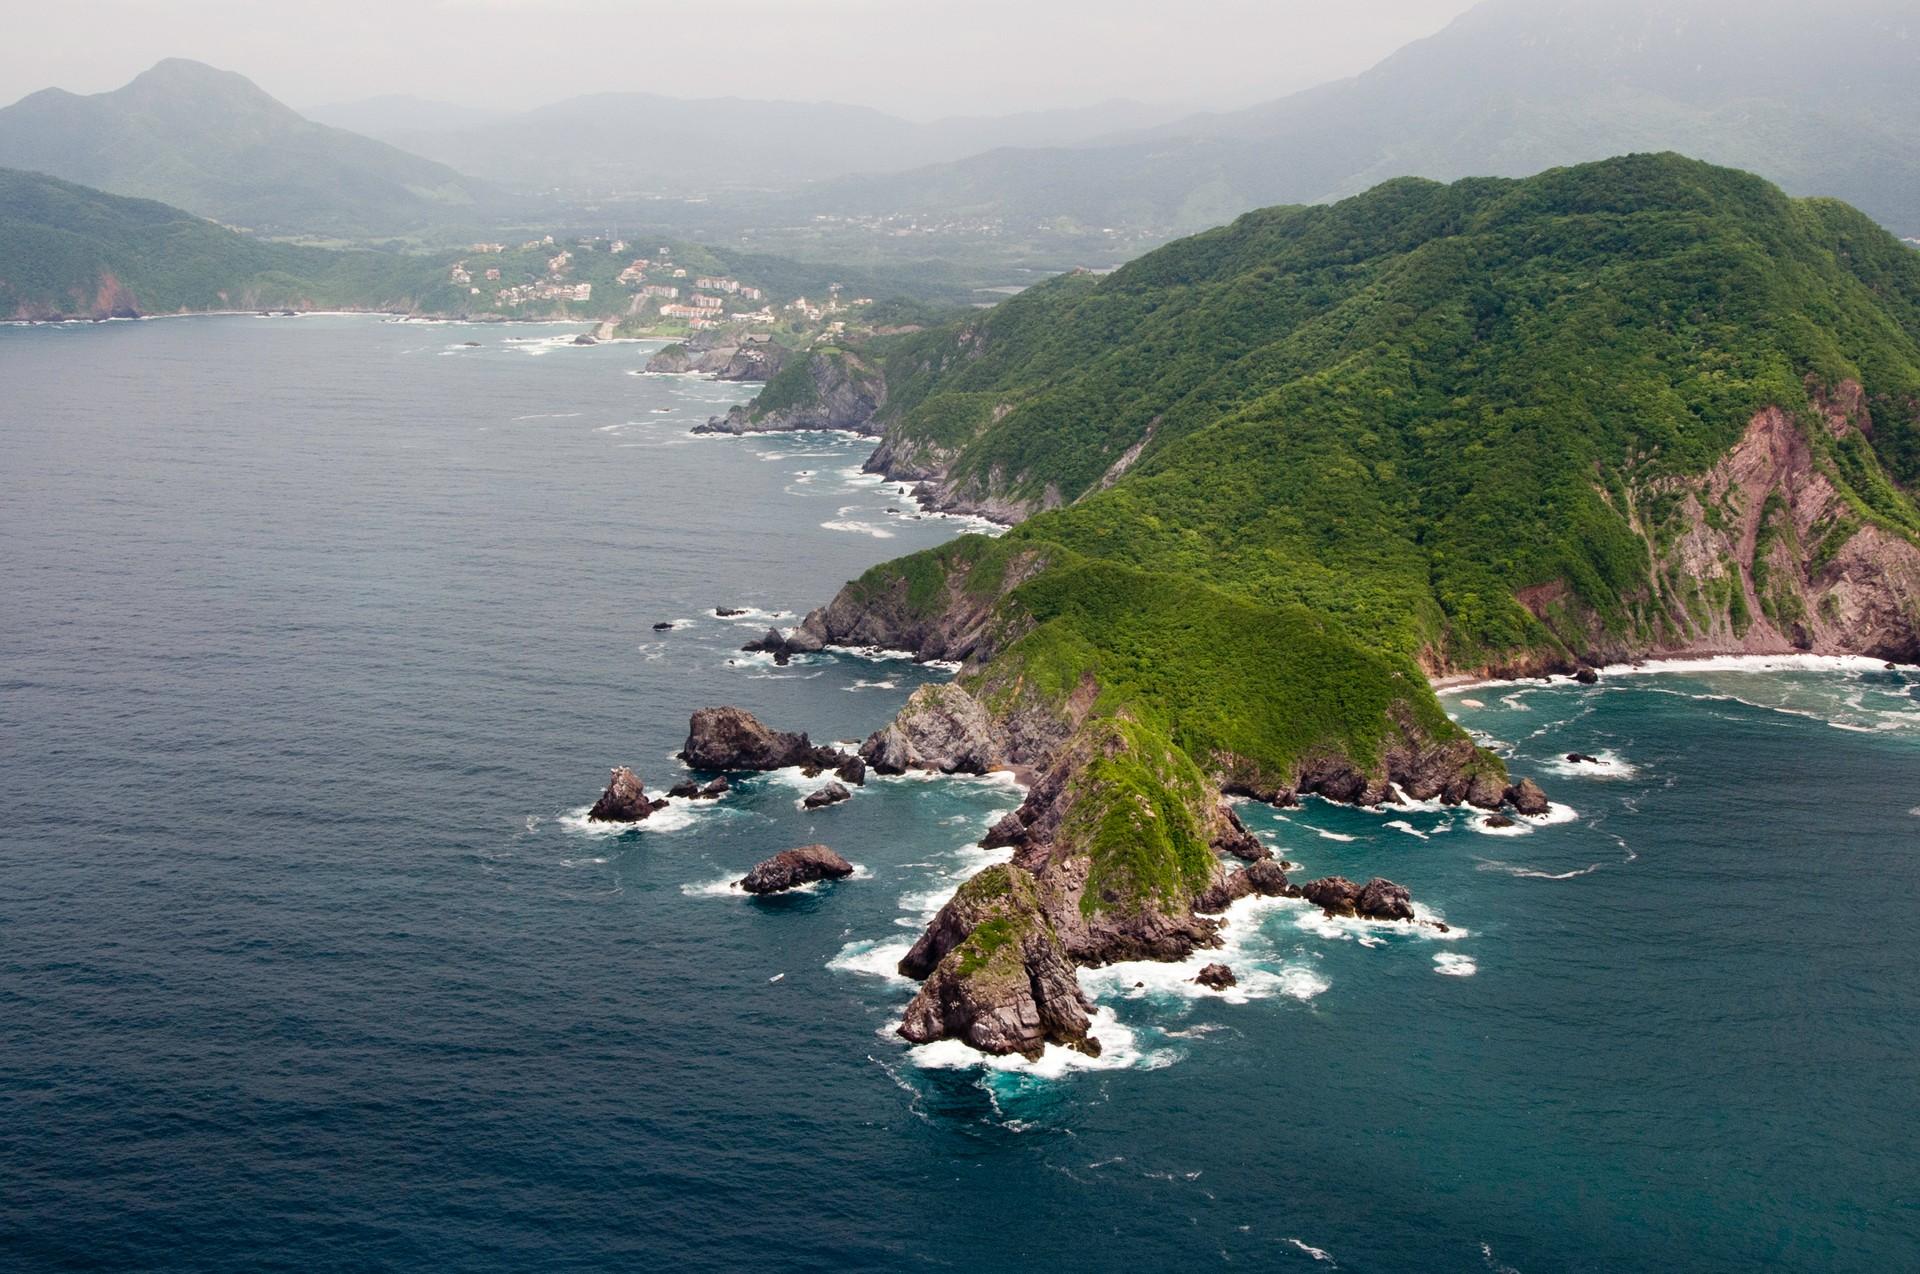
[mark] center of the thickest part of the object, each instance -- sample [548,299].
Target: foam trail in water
[1606,764]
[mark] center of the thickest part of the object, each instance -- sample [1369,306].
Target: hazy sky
[915,57]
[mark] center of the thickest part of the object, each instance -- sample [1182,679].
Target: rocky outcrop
[672,359]
[1266,878]
[996,975]
[942,728]
[1216,977]
[784,646]
[1527,798]
[725,359]
[730,739]
[882,611]
[624,801]
[831,794]
[1378,899]
[852,770]
[836,390]
[1232,837]
[753,361]
[792,868]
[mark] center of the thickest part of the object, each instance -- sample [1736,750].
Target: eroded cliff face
[1770,556]
[1767,552]
[826,391]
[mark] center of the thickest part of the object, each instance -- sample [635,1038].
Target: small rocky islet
[792,868]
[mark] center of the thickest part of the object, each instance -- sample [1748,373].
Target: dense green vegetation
[1356,438]
[68,250]
[1399,410]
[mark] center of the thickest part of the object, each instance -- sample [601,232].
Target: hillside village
[604,278]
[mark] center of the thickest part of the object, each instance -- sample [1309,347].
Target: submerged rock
[624,801]
[684,789]
[716,789]
[1499,820]
[831,794]
[1586,676]
[1581,758]
[1217,977]
[792,868]
[728,612]
[663,626]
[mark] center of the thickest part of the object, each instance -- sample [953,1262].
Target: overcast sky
[913,57]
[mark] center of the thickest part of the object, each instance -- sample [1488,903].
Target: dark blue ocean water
[317,635]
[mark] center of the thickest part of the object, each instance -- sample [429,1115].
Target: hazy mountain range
[1819,100]
[630,142]
[212,142]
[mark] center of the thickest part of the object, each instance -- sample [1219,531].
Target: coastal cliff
[823,389]
[1263,483]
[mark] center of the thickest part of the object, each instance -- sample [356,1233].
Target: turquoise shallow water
[320,633]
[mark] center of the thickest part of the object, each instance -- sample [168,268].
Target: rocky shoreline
[997,964]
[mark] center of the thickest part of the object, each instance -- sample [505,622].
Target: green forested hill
[212,142]
[1404,409]
[1273,473]
[66,250]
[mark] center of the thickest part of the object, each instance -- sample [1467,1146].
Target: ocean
[318,636]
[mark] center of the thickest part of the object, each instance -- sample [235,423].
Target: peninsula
[1266,481]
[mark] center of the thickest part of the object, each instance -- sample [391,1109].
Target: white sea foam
[1534,873]
[1606,764]
[858,528]
[725,887]
[1318,1254]
[1402,825]
[1245,948]
[1748,663]
[1555,815]
[1454,965]
[680,814]
[873,958]
[872,685]
[1426,925]
[729,886]
[1119,1050]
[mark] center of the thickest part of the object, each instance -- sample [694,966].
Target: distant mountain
[680,146]
[213,143]
[1817,98]
[400,112]
[70,252]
